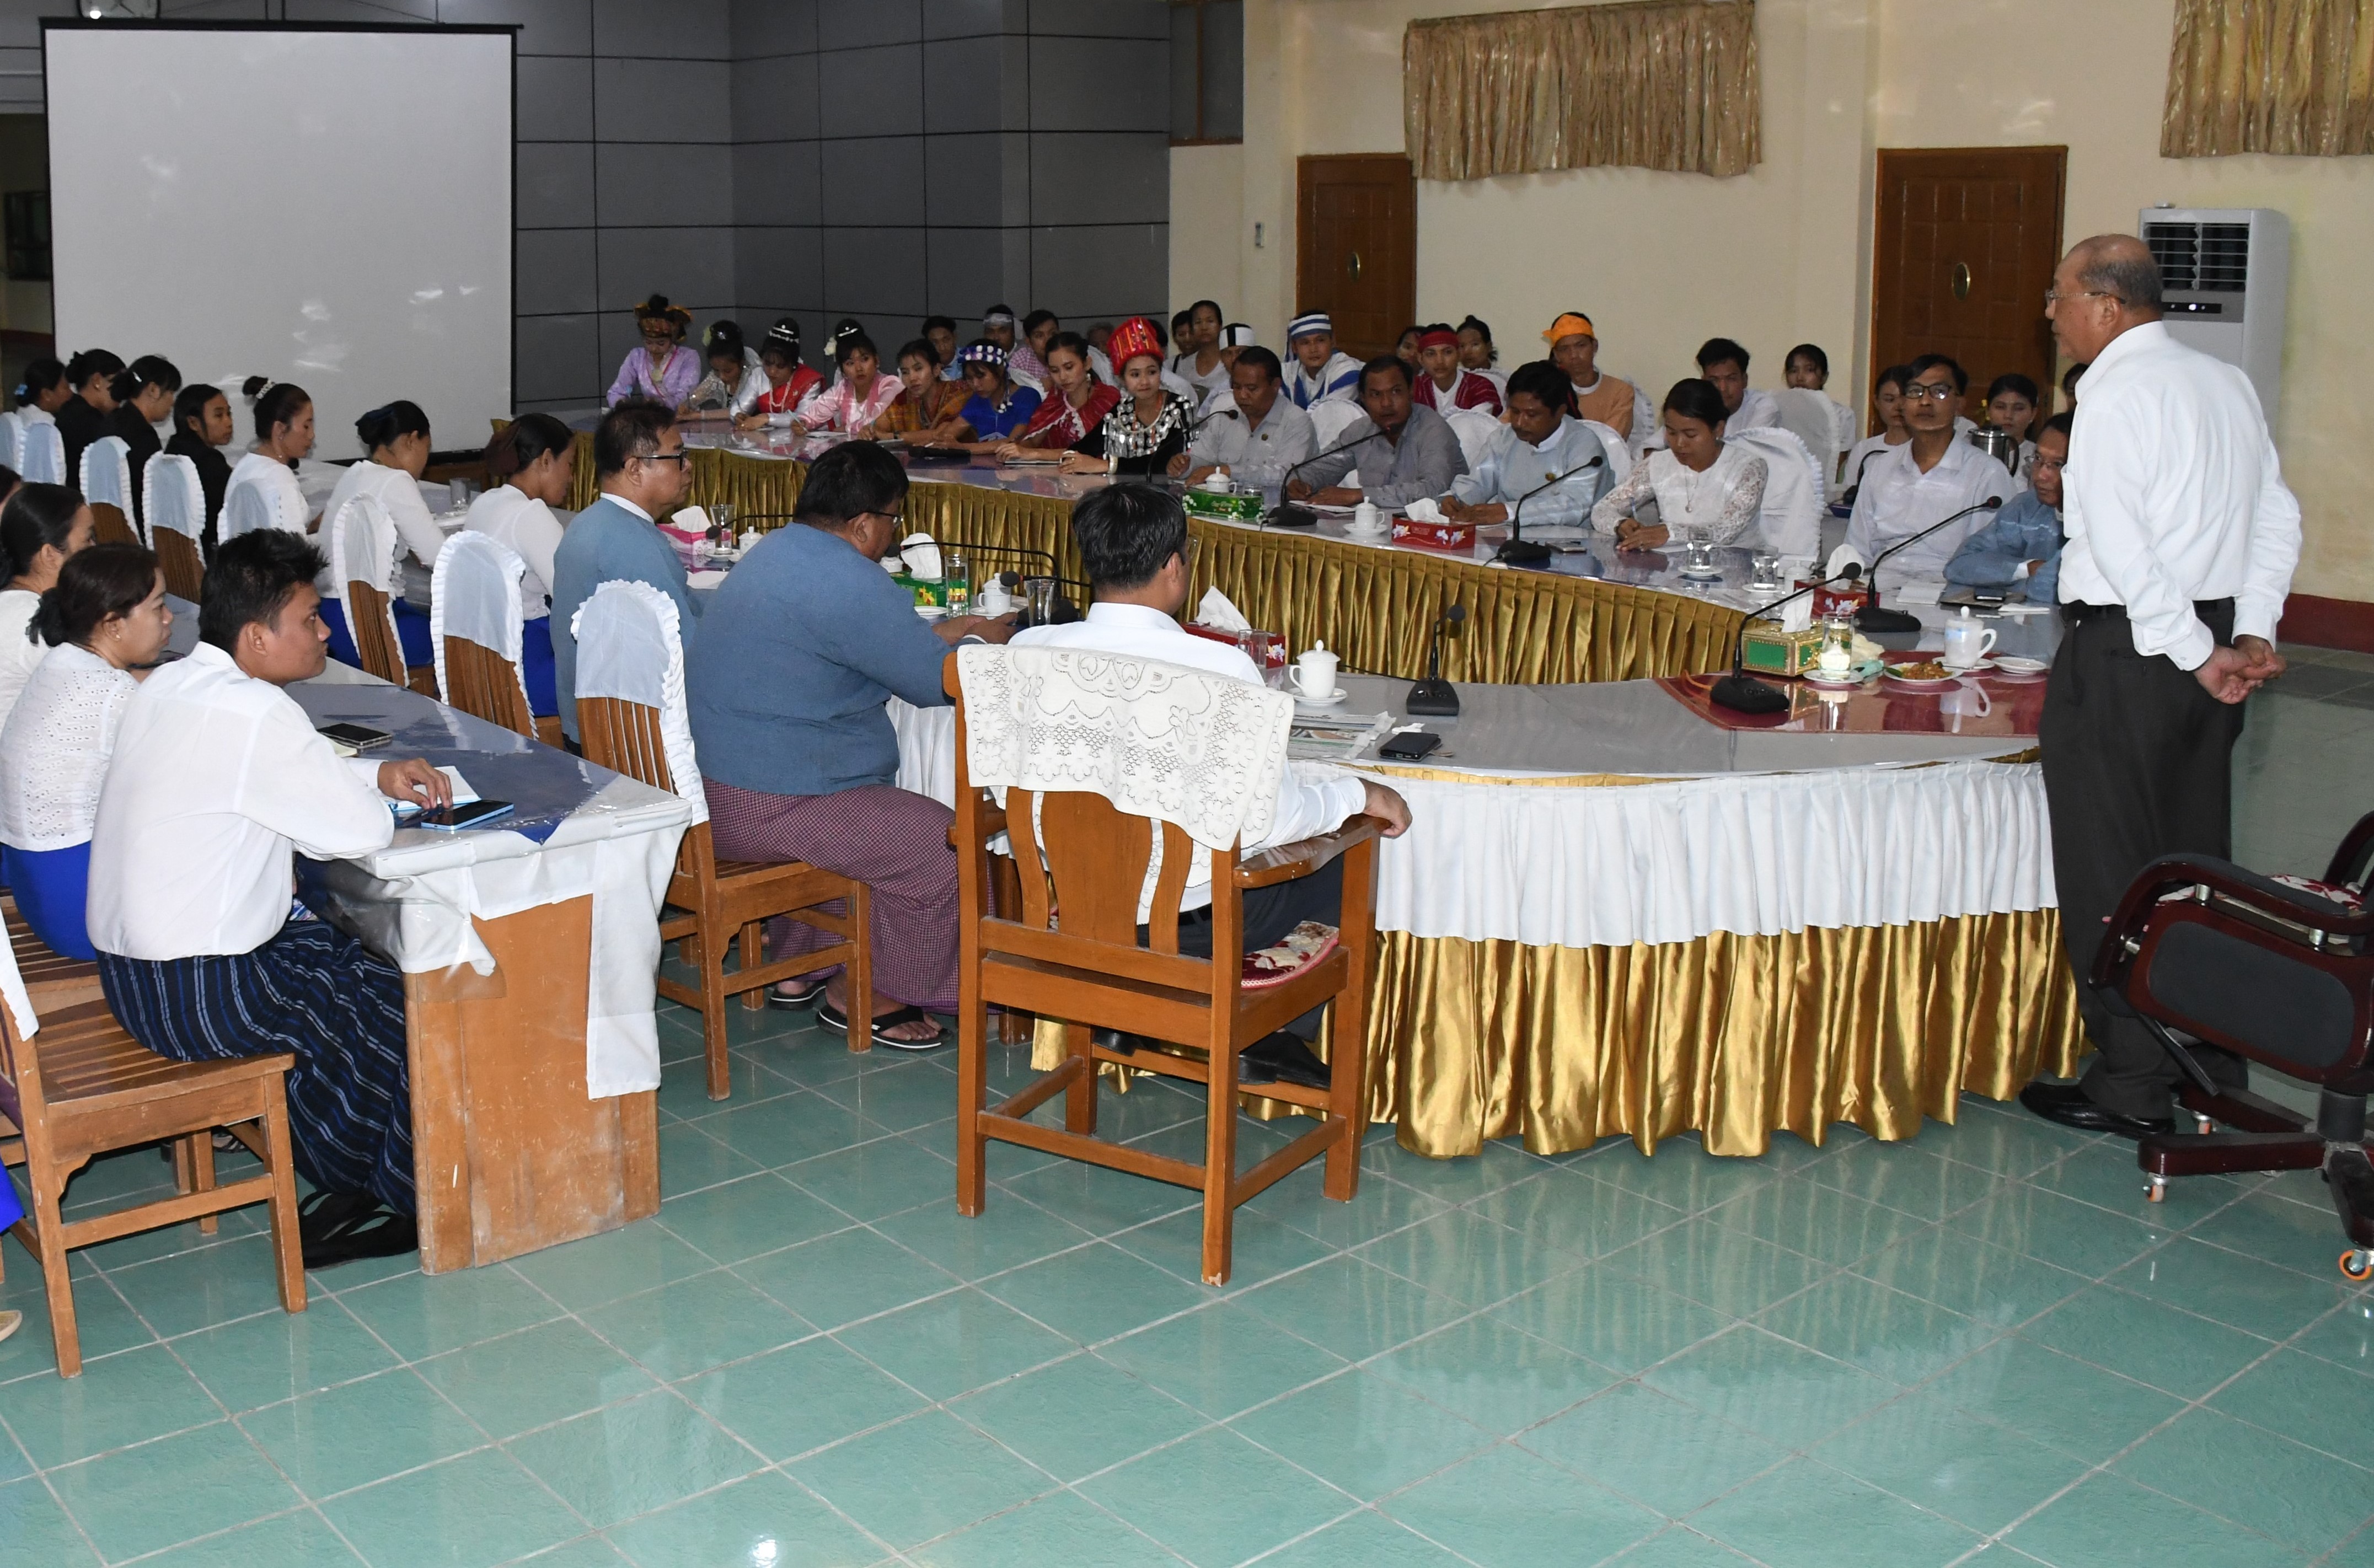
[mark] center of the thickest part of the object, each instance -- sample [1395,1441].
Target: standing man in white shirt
[2181,541]
[1724,363]
[1133,540]
[1258,439]
[1925,481]
[218,779]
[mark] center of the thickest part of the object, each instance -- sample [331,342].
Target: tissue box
[1836,600]
[930,593]
[1265,649]
[1453,538]
[1769,650]
[1235,505]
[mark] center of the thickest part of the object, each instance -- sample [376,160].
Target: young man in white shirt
[218,777]
[2180,545]
[1133,540]
[1925,481]
[1321,372]
[1724,363]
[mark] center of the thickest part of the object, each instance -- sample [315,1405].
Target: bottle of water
[958,573]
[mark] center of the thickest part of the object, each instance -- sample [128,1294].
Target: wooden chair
[1079,855]
[363,547]
[52,979]
[475,677]
[175,504]
[713,903]
[110,526]
[80,1086]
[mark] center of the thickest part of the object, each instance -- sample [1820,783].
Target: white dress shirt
[1757,408]
[1338,380]
[218,779]
[19,654]
[1898,501]
[1256,458]
[1510,467]
[54,748]
[400,493]
[1312,798]
[1866,451]
[2173,494]
[533,533]
[278,482]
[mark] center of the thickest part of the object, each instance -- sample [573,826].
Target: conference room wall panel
[972,19]
[964,85]
[1099,84]
[876,91]
[553,183]
[363,11]
[547,27]
[775,98]
[557,357]
[1130,172]
[1101,18]
[785,264]
[872,270]
[977,180]
[661,100]
[1096,272]
[761,28]
[858,24]
[554,99]
[688,184]
[685,30]
[685,264]
[776,182]
[870,181]
[966,273]
[554,271]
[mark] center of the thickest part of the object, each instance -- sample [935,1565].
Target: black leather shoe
[1282,1057]
[1114,1040]
[2069,1104]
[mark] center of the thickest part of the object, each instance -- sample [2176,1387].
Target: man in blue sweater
[638,458]
[806,640]
[2022,547]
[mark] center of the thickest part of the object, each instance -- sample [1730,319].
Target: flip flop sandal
[377,1233]
[836,1021]
[779,998]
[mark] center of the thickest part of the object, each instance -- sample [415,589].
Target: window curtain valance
[2293,77]
[1668,84]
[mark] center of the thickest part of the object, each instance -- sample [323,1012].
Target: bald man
[2181,541]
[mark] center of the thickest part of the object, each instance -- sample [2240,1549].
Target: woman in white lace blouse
[106,623]
[1702,487]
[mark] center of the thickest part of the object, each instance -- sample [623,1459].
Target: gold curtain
[1664,84]
[2293,77]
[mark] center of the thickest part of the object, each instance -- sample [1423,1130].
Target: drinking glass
[1040,593]
[1767,570]
[720,522]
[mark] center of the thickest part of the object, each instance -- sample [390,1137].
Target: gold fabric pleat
[1666,84]
[2293,77]
[1734,1037]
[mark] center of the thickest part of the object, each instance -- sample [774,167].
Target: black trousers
[1270,913]
[2138,763]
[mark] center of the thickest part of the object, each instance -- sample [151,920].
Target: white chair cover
[628,647]
[1619,455]
[1791,518]
[173,497]
[363,548]
[12,441]
[12,992]
[1329,420]
[1813,418]
[107,473]
[474,593]
[43,461]
[250,506]
[1475,429]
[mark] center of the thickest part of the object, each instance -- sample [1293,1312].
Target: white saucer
[1329,701]
[1702,573]
[1831,683]
[2020,669]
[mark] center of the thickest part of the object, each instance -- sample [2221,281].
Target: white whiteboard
[330,207]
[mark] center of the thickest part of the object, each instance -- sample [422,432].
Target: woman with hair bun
[143,396]
[785,385]
[41,527]
[533,461]
[396,436]
[106,623]
[284,433]
[1703,487]
[84,418]
[202,428]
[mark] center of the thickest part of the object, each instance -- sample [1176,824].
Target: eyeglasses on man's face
[1942,392]
[2053,297]
[664,457]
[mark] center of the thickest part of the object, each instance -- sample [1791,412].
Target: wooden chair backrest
[373,628]
[184,569]
[20,1074]
[110,526]
[481,682]
[625,738]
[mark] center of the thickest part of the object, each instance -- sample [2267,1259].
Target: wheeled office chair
[2280,972]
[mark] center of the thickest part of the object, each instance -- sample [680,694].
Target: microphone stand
[1513,550]
[1870,617]
[1434,697]
[1848,494]
[1294,514]
[1742,693]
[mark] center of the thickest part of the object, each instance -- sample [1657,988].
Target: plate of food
[1926,674]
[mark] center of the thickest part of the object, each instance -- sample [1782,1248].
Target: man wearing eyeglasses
[640,459]
[2181,541]
[1925,481]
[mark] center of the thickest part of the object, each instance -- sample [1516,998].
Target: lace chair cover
[249,507]
[107,473]
[1791,518]
[44,457]
[1619,455]
[1329,420]
[628,647]
[363,548]
[474,593]
[12,441]
[1184,746]
[1475,429]
[173,497]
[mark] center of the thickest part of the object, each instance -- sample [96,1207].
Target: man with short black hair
[1725,364]
[1536,454]
[218,777]
[1926,480]
[808,638]
[1401,451]
[1133,541]
[940,332]
[1319,372]
[1258,439]
[640,461]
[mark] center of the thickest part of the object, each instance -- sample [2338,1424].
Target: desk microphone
[1434,696]
[1513,550]
[1294,514]
[1870,617]
[1742,693]
[1848,494]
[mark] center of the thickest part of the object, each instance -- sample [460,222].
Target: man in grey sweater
[1408,452]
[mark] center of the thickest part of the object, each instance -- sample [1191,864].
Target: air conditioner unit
[2223,273]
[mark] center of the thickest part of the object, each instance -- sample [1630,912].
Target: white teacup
[1367,519]
[1313,675]
[1967,642]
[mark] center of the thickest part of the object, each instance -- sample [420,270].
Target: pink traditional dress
[839,408]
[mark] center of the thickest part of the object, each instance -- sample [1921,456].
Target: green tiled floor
[1978,1346]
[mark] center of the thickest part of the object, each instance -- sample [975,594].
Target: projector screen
[330,207]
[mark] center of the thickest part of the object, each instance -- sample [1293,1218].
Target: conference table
[528,948]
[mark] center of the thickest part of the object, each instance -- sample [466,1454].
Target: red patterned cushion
[1304,945]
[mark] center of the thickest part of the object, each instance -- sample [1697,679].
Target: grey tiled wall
[883,160]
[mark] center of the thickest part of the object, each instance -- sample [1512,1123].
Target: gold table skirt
[1375,608]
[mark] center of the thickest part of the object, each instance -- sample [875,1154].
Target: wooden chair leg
[858,973]
[1220,1160]
[49,1224]
[287,1251]
[713,1009]
[1080,1094]
[753,953]
[201,1165]
[972,1094]
[1346,1097]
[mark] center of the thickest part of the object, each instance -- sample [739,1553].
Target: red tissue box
[1451,537]
[1265,649]
[1836,600]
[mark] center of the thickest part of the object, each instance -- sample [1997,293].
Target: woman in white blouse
[535,459]
[396,437]
[284,432]
[106,622]
[1703,487]
[40,527]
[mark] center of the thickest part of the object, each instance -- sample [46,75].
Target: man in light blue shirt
[1540,442]
[2022,547]
[638,458]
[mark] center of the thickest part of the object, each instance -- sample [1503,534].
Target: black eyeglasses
[663,457]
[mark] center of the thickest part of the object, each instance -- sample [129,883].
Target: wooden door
[1356,247]
[1964,244]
